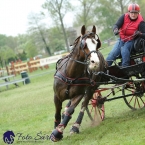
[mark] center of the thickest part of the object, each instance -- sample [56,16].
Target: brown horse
[74,80]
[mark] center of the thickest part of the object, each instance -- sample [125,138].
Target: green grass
[29,109]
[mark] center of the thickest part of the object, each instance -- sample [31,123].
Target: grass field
[29,112]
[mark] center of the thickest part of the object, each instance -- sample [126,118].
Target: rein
[116,40]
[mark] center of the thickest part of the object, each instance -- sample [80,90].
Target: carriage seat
[139,45]
[138,50]
[137,63]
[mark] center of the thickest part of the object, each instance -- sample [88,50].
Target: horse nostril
[92,61]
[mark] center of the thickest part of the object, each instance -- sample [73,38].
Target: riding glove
[116,31]
[137,33]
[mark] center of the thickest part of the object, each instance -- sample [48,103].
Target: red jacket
[129,27]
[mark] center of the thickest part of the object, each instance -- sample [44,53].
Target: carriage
[83,75]
[130,81]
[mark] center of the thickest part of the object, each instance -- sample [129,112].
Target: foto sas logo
[8,137]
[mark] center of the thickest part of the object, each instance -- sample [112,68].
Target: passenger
[127,27]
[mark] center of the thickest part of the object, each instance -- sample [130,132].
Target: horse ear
[99,43]
[94,29]
[83,30]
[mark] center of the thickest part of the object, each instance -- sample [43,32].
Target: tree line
[40,39]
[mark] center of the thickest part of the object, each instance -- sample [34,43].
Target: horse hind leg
[57,133]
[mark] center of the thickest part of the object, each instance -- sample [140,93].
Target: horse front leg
[58,107]
[76,125]
[66,107]
[57,133]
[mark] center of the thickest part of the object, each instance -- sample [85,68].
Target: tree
[37,27]
[85,16]
[12,43]
[3,40]
[31,50]
[57,10]
[142,4]
[122,5]
[56,39]
[6,53]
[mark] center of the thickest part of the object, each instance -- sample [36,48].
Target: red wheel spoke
[95,114]
[94,110]
[142,100]
[138,103]
[134,102]
[131,99]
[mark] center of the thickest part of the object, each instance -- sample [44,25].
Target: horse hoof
[74,129]
[56,136]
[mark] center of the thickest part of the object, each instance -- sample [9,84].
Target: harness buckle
[92,82]
[68,81]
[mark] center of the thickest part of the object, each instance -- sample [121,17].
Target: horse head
[89,44]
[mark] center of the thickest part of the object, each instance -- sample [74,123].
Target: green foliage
[57,10]
[85,15]
[30,49]
[107,14]
[6,53]
[56,39]
[3,40]
[22,56]
[142,4]
[38,31]
[12,43]
[103,35]
[21,42]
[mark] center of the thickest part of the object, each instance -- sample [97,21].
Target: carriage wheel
[135,101]
[96,110]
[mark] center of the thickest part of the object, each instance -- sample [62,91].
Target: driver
[127,27]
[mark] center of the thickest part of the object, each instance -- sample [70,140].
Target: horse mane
[103,61]
[74,44]
[68,56]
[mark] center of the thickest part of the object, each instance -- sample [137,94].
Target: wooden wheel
[96,110]
[136,101]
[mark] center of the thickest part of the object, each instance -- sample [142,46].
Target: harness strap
[85,63]
[70,81]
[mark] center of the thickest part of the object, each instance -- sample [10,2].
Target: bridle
[82,46]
